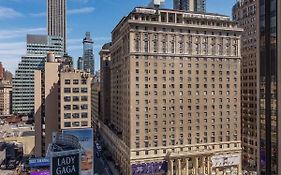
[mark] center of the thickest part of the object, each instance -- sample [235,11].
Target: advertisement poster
[40,173]
[39,166]
[66,165]
[151,168]
[39,162]
[85,137]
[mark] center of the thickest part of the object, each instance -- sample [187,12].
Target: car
[11,166]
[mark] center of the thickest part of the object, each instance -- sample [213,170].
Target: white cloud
[10,54]
[41,14]
[11,49]
[6,12]
[21,32]
[70,12]
[81,10]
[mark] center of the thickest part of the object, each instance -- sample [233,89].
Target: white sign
[145,11]
[226,160]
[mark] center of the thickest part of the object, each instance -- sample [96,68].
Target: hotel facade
[175,93]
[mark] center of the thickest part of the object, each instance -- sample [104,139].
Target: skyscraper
[190,5]
[105,61]
[244,12]
[88,55]
[80,63]
[175,93]
[57,19]
[2,70]
[5,97]
[23,84]
[269,53]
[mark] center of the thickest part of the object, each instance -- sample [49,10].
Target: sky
[21,17]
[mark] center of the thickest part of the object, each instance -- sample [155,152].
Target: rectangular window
[67,90]
[84,123]
[67,107]
[84,90]
[67,124]
[84,115]
[75,90]
[67,115]
[75,124]
[75,107]
[75,81]
[84,106]
[83,81]
[67,81]
[67,98]
[75,115]
[75,98]
[84,98]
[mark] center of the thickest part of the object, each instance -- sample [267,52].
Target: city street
[100,165]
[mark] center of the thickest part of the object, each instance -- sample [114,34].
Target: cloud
[70,12]
[6,12]
[81,10]
[41,14]
[21,32]
[81,1]
[11,49]
[10,54]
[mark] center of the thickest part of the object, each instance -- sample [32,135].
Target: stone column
[172,167]
[186,166]
[179,166]
[204,165]
[209,170]
[196,165]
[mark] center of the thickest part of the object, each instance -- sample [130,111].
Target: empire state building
[56,10]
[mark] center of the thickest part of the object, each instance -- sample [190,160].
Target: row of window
[181,122]
[164,86]
[75,115]
[197,72]
[189,79]
[75,124]
[75,81]
[180,142]
[76,90]
[189,65]
[164,151]
[189,114]
[197,93]
[76,107]
[197,101]
[75,98]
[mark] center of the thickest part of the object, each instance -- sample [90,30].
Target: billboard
[150,168]
[66,165]
[40,173]
[85,137]
[226,160]
[39,162]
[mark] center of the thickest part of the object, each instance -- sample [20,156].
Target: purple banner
[149,168]
[40,173]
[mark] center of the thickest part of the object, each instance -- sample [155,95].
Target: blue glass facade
[268,87]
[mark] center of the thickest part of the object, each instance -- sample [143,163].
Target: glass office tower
[270,61]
